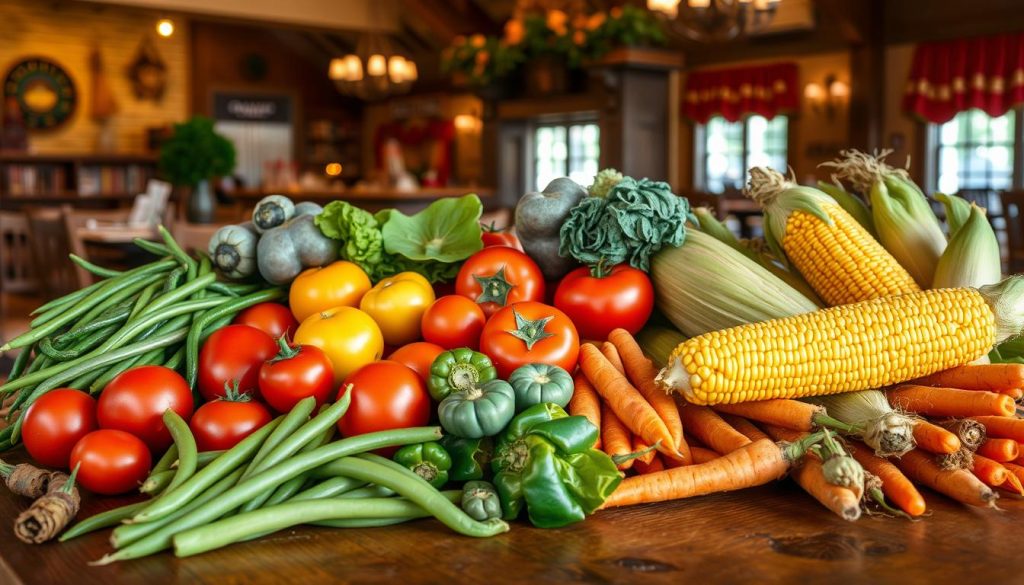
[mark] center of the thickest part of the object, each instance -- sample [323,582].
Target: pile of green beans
[288,472]
[156,314]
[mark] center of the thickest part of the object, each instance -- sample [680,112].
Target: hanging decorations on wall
[147,72]
[42,90]
[103,104]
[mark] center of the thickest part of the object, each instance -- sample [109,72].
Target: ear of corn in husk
[957,211]
[972,257]
[888,432]
[658,342]
[705,285]
[853,204]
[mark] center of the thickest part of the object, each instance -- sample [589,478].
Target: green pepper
[428,460]
[480,411]
[459,369]
[539,383]
[545,461]
[470,457]
[480,501]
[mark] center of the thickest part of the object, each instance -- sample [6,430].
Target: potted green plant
[193,155]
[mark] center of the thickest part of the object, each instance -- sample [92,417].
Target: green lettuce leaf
[448,230]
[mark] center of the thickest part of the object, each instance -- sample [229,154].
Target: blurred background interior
[118,116]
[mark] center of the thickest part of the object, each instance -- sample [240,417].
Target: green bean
[166,460]
[328,488]
[157,482]
[212,473]
[219,287]
[205,267]
[229,308]
[178,294]
[174,249]
[187,452]
[171,280]
[90,342]
[150,319]
[112,316]
[370,491]
[102,520]
[218,324]
[154,248]
[20,362]
[126,535]
[290,487]
[84,381]
[204,458]
[257,484]
[143,299]
[296,417]
[175,360]
[65,300]
[149,358]
[284,492]
[93,268]
[454,495]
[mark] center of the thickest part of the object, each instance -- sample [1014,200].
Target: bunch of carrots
[969,439]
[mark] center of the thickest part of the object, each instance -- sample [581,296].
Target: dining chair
[74,221]
[50,248]
[16,273]
[1013,215]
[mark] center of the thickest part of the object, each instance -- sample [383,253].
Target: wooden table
[773,534]
[374,199]
[114,234]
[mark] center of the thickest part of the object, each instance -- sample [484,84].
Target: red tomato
[273,319]
[499,276]
[55,422]
[418,356]
[110,462]
[622,298]
[492,236]
[560,347]
[233,354]
[453,321]
[297,373]
[136,399]
[385,395]
[221,424]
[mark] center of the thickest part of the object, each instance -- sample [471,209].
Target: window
[727,149]
[975,152]
[561,150]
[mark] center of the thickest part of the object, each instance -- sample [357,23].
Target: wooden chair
[74,219]
[16,273]
[1013,214]
[193,236]
[50,247]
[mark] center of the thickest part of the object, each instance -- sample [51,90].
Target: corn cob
[871,344]
[837,256]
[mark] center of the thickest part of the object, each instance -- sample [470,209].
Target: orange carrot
[791,414]
[703,454]
[1012,483]
[810,476]
[710,429]
[1003,427]
[756,464]
[656,464]
[615,437]
[1002,450]
[744,426]
[612,355]
[935,439]
[895,485]
[989,471]
[950,401]
[625,401]
[639,446]
[959,484]
[585,402]
[995,377]
[641,371]
[1016,473]
[1015,393]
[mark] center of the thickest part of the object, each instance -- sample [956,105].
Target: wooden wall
[66,32]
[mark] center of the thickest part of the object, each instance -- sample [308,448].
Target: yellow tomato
[317,289]
[397,305]
[347,335]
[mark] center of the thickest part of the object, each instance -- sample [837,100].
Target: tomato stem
[286,351]
[530,331]
[494,288]
[601,269]
[231,393]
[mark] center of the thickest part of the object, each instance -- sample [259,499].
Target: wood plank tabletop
[773,534]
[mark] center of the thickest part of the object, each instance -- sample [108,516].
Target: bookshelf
[83,178]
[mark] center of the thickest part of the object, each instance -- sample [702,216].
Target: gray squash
[271,212]
[307,208]
[285,251]
[233,251]
[539,218]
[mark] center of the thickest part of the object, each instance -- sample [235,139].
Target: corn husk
[658,342]
[957,212]
[853,204]
[972,257]
[705,285]
[888,432]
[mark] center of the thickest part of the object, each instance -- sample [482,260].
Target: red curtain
[734,93]
[954,76]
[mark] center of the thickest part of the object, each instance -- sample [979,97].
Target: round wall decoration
[44,92]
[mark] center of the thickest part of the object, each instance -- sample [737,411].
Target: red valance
[954,76]
[733,93]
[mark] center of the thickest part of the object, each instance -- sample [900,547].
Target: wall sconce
[827,97]
[468,123]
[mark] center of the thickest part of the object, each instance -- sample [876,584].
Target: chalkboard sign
[241,107]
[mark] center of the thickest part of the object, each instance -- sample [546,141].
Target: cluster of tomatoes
[333,333]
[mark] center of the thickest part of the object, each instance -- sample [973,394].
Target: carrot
[615,437]
[612,355]
[1016,473]
[755,464]
[970,432]
[703,454]
[1003,427]
[1015,393]
[959,484]
[639,446]
[989,471]
[1002,450]
[811,477]
[1012,483]
[656,464]
[995,377]
[625,401]
[641,371]
[935,439]
[950,401]
[586,403]
[744,426]
[710,429]
[895,485]
[791,414]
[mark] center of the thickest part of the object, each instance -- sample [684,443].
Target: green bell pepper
[459,369]
[428,460]
[539,383]
[545,461]
[480,500]
[480,411]
[470,457]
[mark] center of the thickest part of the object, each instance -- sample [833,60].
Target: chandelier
[715,20]
[374,71]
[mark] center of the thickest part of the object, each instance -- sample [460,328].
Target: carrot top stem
[624,457]
[838,466]
[873,489]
